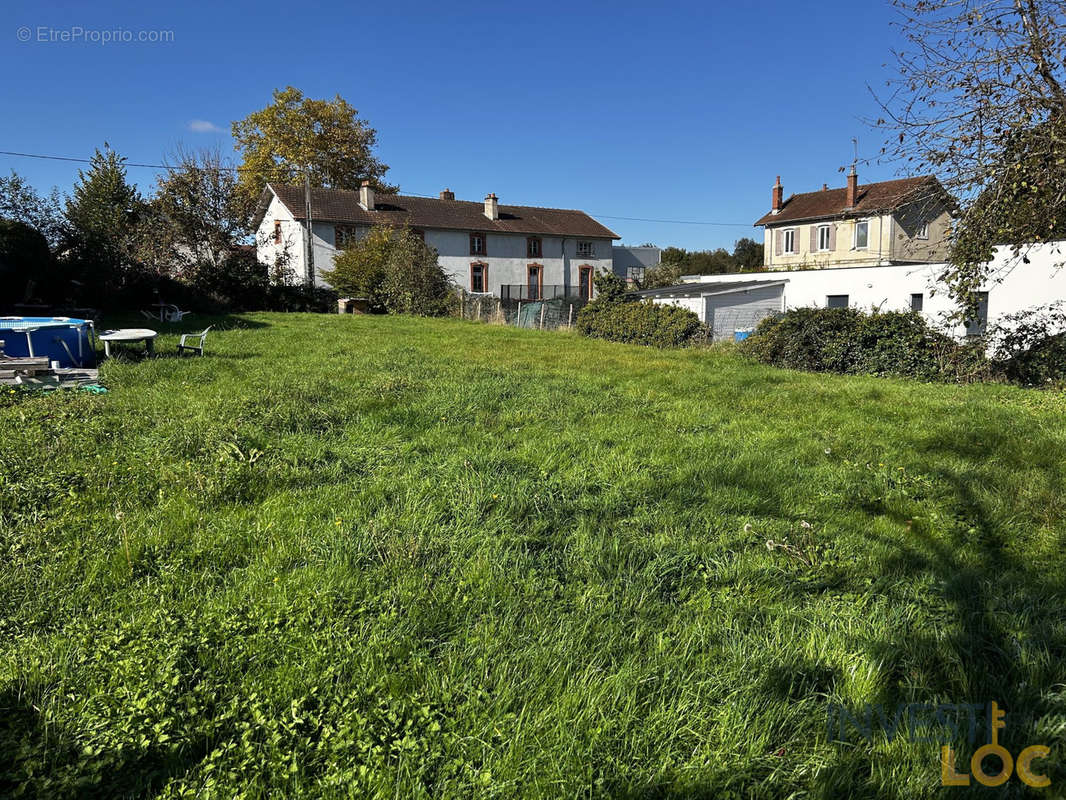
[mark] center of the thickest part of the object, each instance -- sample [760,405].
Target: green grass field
[391,557]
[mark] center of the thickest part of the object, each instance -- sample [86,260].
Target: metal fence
[553,314]
[547,291]
[547,312]
[481,307]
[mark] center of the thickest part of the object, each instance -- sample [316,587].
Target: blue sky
[682,111]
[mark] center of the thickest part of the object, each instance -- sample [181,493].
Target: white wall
[292,239]
[696,305]
[506,256]
[1012,286]
[733,311]
[507,260]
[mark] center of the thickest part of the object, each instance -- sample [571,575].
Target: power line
[288,173]
[124,162]
[674,221]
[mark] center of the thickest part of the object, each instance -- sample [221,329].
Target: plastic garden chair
[184,345]
[175,314]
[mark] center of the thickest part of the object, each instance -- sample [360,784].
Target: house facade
[519,252]
[632,263]
[905,221]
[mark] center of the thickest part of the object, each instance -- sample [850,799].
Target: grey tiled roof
[707,287]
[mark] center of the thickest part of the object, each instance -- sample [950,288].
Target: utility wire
[409,194]
[674,221]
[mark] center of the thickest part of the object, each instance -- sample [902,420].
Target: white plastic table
[146,335]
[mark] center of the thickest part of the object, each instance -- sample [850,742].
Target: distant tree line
[190,239]
[747,256]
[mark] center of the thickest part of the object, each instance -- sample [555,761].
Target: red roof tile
[871,198]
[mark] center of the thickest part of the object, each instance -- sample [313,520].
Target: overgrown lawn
[391,557]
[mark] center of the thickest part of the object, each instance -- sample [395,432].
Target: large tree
[979,99]
[26,265]
[747,255]
[102,212]
[197,214]
[19,201]
[297,135]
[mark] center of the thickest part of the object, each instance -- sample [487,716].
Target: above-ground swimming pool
[71,342]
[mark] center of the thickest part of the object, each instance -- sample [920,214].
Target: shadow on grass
[1003,636]
[191,324]
[135,352]
[42,761]
[994,627]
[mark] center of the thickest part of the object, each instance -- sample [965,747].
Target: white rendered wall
[1012,285]
[506,256]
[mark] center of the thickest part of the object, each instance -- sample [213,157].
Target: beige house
[904,221]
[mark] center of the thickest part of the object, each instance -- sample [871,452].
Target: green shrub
[26,264]
[849,341]
[640,322]
[395,271]
[240,283]
[1029,347]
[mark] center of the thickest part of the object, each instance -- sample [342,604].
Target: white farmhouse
[520,252]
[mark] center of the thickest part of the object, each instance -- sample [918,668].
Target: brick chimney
[492,208]
[778,197]
[447,194]
[853,188]
[366,196]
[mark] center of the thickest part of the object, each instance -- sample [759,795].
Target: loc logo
[1023,766]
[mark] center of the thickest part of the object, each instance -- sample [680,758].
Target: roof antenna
[855,143]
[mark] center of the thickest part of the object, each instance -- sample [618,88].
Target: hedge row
[640,322]
[852,342]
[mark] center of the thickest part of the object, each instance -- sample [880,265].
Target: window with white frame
[635,274]
[586,249]
[923,231]
[790,241]
[862,235]
[823,237]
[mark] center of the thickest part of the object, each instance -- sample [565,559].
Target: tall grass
[389,557]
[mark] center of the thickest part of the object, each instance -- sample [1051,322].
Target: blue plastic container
[740,336]
[71,342]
